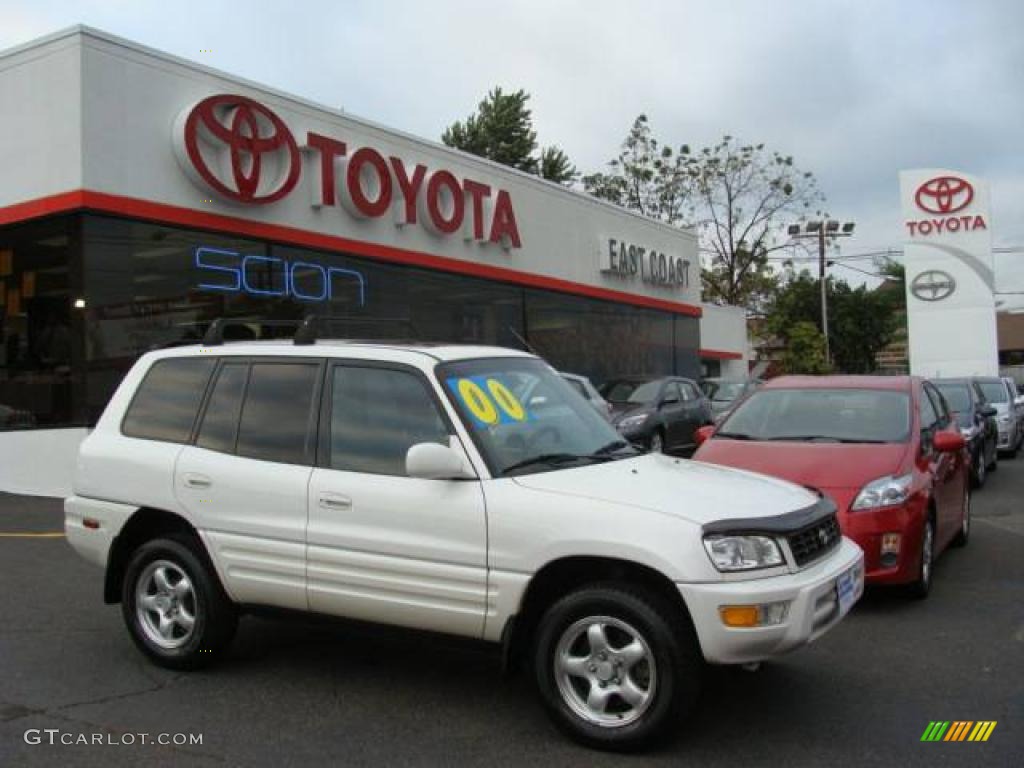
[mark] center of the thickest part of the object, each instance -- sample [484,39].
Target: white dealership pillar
[947,253]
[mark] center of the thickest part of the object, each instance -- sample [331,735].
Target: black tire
[666,637]
[923,585]
[964,534]
[994,464]
[214,616]
[979,469]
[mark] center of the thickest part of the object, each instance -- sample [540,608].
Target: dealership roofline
[85,32]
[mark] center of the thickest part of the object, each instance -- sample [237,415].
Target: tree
[502,130]
[645,177]
[743,196]
[738,196]
[805,350]
[555,166]
[861,322]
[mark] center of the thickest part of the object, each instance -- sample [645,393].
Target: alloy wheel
[165,604]
[605,671]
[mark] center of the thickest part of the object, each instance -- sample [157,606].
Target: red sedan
[887,450]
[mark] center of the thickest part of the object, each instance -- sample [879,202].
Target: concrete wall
[724,329]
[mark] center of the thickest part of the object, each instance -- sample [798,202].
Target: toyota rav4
[457,489]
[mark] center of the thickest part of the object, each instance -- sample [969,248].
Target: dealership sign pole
[951,315]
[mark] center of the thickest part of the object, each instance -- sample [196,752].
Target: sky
[854,90]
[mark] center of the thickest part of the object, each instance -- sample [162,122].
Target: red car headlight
[884,492]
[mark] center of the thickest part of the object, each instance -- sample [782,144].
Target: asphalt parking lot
[312,693]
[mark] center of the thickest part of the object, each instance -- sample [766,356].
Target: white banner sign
[948,257]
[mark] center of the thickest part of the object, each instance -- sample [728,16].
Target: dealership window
[143,290]
[600,339]
[39,375]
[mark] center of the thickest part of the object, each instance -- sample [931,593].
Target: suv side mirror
[988,411]
[433,461]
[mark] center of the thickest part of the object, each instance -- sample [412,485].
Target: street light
[822,230]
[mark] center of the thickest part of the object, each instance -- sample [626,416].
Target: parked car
[589,392]
[724,393]
[1000,396]
[1017,398]
[408,485]
[662,414]
[886,450]
[977,420]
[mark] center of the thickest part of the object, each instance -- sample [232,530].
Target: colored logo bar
[958,730]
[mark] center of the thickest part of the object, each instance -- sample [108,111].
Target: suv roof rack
[307,331]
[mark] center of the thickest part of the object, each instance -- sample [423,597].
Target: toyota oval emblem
[239,148]
[933,285]
[944,194]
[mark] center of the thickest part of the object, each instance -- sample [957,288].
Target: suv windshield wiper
[613,447]
[554,459]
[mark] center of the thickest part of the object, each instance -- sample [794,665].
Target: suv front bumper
[813,608]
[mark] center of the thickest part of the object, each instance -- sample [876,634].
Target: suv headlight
[883,492]
[742,553]
[632,421]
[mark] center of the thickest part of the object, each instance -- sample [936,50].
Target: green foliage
[738,197]
[555,166]
[645,177]
[860,321]
[502,130]
[805,350]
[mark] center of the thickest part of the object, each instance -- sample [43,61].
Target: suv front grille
[815,541]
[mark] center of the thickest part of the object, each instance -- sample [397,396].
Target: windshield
[958,399]
[524,417]
[827,415]
[994,391]
[632,391]
[723,391]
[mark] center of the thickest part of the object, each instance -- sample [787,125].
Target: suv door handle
[197,481]
[335,501]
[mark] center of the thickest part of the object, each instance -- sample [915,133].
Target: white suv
[422,486]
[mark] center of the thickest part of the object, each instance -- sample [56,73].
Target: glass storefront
[84,295]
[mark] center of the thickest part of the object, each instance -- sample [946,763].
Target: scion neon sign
[232,272]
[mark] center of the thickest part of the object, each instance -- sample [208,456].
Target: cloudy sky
[855,90]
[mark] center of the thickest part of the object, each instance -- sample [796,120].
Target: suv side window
[377,415]
[220,422]
[167,401]
[278,415]
[688,390]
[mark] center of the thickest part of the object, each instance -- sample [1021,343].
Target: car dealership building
[142,196]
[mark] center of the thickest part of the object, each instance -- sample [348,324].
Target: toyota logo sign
[933,285]
[239,148]
[944,194]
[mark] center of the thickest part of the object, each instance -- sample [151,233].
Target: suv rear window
[167,401]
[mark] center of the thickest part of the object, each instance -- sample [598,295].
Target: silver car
[1001,395]
[582,385]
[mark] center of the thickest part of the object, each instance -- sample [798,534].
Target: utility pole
[824,293]
[822,230]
